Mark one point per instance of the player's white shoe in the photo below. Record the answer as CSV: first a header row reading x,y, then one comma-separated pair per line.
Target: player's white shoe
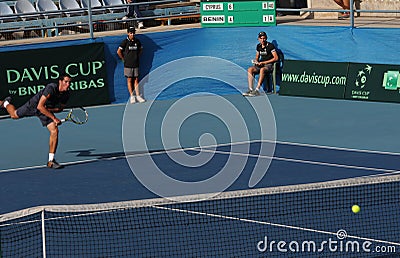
x,y
140,99
133,99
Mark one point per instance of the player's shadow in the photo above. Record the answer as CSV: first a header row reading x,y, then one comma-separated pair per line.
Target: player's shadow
x,y
147,57
118,154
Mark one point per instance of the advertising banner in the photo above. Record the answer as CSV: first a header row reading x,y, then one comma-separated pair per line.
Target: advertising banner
x,y
374,82
24,73
314,79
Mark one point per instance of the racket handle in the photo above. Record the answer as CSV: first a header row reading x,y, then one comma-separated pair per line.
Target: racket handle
x,y
63,120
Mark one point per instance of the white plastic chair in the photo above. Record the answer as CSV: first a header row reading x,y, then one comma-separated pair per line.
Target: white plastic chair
x,y
48,6
109,4
71,7
26,7
95,5
5,9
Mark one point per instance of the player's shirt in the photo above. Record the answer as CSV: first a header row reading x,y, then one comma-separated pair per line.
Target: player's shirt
x,y
55,97
265,52
131,50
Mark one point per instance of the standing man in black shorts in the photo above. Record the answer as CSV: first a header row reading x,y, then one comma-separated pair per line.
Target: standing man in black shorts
x,y
129,51
263,63
52,99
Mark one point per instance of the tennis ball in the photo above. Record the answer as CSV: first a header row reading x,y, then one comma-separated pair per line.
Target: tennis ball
x,y
355,208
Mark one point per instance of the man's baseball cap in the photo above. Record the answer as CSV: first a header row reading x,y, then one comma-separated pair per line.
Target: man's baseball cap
x,y
131,29
262,34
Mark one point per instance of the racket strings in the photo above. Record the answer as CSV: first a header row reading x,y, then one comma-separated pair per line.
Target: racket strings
x,y
78,116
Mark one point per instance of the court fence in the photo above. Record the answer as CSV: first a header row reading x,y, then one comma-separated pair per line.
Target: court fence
x,y
293,221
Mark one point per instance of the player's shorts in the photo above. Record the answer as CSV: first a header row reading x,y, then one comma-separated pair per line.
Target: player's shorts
x,y
267,68
131,72
26,110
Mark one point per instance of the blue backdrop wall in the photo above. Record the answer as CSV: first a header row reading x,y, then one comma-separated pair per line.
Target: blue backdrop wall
x,y
236,45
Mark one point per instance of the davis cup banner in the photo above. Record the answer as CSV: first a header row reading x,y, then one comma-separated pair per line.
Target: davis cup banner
x,y
314,79
24,73
373,82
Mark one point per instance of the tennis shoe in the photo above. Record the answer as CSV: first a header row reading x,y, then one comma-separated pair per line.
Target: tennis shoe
x,y
140,99
247,93
140,25
343,16
254,93
133,99
54,164
4,100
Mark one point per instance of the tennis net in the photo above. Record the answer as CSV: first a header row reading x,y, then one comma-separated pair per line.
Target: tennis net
x,y
310,220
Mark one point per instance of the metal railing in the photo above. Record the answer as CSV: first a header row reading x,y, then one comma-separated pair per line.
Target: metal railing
x,y
41,25
55,23
352,11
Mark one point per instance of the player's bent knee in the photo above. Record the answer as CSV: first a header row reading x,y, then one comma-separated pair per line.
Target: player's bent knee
x,y
53,129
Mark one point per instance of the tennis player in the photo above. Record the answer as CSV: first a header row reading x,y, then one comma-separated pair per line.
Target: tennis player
x,y
52,99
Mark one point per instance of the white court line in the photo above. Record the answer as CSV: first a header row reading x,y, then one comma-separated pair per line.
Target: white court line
x,y
198,148
319,163
203,148
220,216
44,166
335,148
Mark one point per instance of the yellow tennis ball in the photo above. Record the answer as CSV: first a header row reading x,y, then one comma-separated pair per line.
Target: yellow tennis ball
x,y
355,208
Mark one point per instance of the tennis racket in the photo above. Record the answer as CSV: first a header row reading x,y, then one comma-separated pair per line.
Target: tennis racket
x,y
77,115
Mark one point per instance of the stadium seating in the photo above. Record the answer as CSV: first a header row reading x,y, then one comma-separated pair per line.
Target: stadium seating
x,y
53,17
8,13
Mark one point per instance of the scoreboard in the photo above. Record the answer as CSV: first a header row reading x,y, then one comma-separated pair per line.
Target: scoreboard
x,y
238,13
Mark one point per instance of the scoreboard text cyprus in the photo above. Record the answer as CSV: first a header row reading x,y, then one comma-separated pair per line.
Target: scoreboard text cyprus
x,y
238,13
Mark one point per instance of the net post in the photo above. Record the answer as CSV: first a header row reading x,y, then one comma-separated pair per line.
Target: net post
x,y
43,235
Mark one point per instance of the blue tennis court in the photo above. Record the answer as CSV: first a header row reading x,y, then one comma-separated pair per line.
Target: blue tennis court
x,y
301,194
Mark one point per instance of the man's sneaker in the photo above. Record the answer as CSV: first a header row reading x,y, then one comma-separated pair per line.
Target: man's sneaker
x,y
4,100
140,99
140,25
254,93
54,164
343,16
133,99
247,93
